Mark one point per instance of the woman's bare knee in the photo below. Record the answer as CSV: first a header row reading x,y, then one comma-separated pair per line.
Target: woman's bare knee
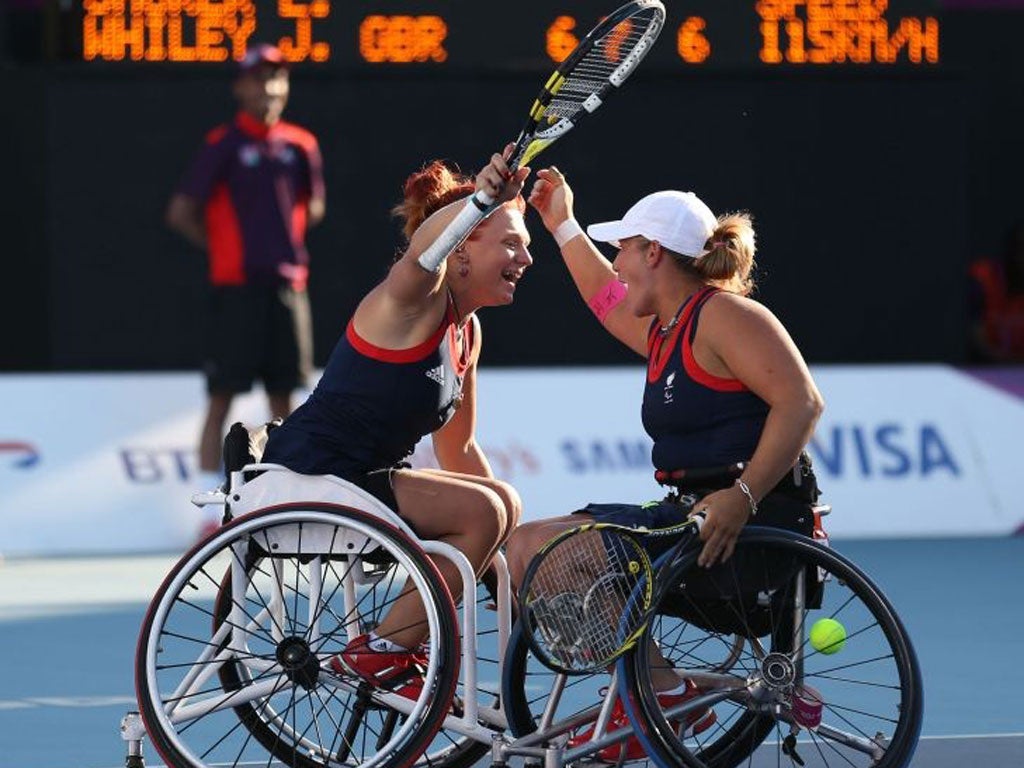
x,y
513,507
486,520
521,537
522,546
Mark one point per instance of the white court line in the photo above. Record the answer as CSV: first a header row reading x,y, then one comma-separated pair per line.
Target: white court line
x,y
937,737
78,702
37,588
976,736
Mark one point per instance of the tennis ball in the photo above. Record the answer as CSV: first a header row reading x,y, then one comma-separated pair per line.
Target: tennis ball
x,y
828,636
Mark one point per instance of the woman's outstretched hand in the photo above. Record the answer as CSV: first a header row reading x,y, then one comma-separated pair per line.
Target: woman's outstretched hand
x,y
495,180
552,197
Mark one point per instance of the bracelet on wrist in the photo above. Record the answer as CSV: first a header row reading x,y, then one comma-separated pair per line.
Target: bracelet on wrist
x,y
566,231
750,496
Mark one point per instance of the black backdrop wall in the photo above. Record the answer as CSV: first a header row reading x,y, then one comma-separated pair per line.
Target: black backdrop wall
x,y
870,193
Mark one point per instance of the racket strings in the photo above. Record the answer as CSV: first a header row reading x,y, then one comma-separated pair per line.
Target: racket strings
x,y
580,595
593,71
618,43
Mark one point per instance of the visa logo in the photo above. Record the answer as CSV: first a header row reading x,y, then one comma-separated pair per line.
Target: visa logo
x,y
885,450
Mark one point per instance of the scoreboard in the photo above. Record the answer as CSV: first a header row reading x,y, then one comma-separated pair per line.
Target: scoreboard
x,y
518,35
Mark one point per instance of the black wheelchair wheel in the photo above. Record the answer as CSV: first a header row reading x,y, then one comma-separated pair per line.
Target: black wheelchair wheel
x,y
231,666
782,701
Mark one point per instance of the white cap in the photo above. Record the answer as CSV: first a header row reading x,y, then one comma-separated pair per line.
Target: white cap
x,y
677,220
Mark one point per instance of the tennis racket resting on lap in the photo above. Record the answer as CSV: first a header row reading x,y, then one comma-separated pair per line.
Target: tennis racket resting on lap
x,y
600,63
587,595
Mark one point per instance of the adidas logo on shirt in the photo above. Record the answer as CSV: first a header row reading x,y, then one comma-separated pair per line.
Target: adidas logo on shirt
x,y
437,374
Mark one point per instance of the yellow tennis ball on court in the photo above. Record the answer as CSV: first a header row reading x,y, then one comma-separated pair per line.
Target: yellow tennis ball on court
x,y
828,636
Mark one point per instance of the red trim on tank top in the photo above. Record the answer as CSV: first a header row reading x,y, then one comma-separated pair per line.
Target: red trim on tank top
x,y
656,343
656,367
460,357
410,355
693,368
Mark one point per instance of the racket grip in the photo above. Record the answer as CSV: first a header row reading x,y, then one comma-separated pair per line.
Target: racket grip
x,y
474,210
698,519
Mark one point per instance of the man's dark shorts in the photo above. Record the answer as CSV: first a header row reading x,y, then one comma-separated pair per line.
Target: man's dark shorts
x,y
258,332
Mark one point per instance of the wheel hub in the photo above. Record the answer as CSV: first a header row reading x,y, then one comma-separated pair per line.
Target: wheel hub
x,y
778,671
300,664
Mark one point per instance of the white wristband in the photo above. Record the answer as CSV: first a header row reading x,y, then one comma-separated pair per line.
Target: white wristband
x,y
471,214
566,231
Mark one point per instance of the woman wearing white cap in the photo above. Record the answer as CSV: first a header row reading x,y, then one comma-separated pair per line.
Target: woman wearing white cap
x,y
729,402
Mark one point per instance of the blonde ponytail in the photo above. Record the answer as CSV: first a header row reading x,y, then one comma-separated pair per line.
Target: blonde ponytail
x,y
729,260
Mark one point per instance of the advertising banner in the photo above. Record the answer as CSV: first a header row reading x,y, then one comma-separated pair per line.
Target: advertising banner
x,y
107,463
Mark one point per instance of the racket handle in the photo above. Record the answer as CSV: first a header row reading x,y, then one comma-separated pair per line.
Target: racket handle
x,y
698,519
474,210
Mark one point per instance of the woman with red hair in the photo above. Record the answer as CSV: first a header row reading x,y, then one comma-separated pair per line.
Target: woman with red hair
x,y
405,368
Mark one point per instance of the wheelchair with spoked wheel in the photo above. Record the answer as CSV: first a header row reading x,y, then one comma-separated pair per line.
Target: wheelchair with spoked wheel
x,y
232,666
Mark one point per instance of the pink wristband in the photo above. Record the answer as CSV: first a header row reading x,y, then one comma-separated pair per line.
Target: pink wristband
x,y
607,298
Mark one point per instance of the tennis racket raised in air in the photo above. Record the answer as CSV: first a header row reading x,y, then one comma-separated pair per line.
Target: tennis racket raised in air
x,y
602,61
587,595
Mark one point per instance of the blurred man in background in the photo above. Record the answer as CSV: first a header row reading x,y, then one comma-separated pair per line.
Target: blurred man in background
x,y
247,199
996,303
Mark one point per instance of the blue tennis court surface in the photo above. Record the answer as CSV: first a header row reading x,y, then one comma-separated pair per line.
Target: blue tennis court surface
x,y
68,629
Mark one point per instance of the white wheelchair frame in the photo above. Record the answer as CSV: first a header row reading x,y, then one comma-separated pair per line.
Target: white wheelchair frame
x,y
275,485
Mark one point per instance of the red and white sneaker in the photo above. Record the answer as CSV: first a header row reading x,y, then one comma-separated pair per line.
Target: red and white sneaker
x,y
694,723
400,673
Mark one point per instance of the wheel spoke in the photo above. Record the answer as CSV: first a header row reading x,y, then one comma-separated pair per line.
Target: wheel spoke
x,y
238,634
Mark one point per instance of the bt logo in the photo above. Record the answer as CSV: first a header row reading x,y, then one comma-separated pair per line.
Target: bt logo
x,y
20,455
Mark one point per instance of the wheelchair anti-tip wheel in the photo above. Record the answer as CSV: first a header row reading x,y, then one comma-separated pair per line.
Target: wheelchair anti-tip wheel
x,y
232,666
850,697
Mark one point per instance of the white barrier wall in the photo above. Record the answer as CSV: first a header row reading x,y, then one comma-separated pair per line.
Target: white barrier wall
x,y
106,463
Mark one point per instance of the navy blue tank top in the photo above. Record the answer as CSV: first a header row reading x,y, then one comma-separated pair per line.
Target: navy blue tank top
x,y
372,405
697,420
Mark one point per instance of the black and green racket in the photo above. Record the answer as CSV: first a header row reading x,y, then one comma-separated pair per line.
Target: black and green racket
x,y
587,595
597,66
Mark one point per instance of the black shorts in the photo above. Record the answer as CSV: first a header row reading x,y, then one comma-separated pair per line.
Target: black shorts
x,y
777,510
723,598
295,445
259,332
378,483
